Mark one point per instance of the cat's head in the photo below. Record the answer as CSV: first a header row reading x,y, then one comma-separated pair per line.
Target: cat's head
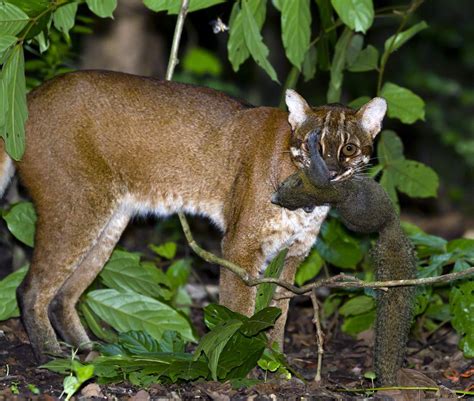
x,y
346,135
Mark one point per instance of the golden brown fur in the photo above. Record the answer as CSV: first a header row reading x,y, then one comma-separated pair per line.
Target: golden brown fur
x,y
103,146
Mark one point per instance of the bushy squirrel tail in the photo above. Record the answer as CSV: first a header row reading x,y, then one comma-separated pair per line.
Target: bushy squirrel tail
x,y
7,168
395,259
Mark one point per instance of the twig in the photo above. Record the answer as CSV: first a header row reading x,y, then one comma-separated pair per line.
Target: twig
x,y
383,62
319,335
338,281
173,61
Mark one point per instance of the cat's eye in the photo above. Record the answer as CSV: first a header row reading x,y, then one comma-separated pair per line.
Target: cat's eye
x,y
349,150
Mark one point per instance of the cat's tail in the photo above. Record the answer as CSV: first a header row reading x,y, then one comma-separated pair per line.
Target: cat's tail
x,y
7,168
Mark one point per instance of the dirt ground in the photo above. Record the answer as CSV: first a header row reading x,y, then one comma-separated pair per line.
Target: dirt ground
x,y
345,361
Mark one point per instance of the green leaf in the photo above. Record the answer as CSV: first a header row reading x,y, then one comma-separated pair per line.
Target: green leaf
x,y
62,366
337,247
215,314
354,48
178,273
356,14
236,47
173,6
64,17
240,355
354,325
388,183
357,305
389,148
137,312
265,291
403,103
124,273
8,286
213,343
464,246
12,19
254,41
261,320
461,301
337,66
166,250
138,342
310,268
296,30
102,8
367,60
200,61
6,41
310,64
13,75
21,222
359,102
394,42
414,178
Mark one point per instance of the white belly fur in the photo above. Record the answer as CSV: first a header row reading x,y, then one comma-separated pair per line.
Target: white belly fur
x,y
296,230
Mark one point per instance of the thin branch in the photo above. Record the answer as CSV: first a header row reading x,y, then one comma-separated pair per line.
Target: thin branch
x,y
173,61
319,335
338,281
383,62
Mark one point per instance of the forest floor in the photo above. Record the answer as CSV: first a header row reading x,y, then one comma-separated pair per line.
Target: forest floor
x,y
436,362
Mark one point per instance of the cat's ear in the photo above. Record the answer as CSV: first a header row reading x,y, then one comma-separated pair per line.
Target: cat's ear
x,y
371,115
298,108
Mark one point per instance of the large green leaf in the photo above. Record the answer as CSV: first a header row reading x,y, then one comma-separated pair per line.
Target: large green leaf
x,y
213,343
21,221
178,272
6,41
310,268
389,148
102,8
132,311
124,272
414,178
265,291
64,17
366,60
461,301
236,47
356,14
296,30
12,19
215,314
394,42
310,64
13,75
8,286
337,67
254,41
260,321
403,103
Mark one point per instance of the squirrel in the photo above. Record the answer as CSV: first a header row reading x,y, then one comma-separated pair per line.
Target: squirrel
x,y
364,207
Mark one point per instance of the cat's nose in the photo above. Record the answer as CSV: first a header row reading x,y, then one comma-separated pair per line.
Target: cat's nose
x,y
332,174
274,199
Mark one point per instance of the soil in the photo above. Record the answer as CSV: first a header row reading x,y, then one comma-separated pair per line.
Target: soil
x,y
436,362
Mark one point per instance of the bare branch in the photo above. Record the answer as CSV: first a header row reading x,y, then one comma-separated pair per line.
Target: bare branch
x,y
338,281
178,30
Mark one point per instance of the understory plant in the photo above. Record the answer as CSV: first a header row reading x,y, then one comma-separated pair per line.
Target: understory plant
x,y
140,310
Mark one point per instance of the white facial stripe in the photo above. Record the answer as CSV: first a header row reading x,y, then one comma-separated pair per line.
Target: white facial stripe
x,y
345,174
